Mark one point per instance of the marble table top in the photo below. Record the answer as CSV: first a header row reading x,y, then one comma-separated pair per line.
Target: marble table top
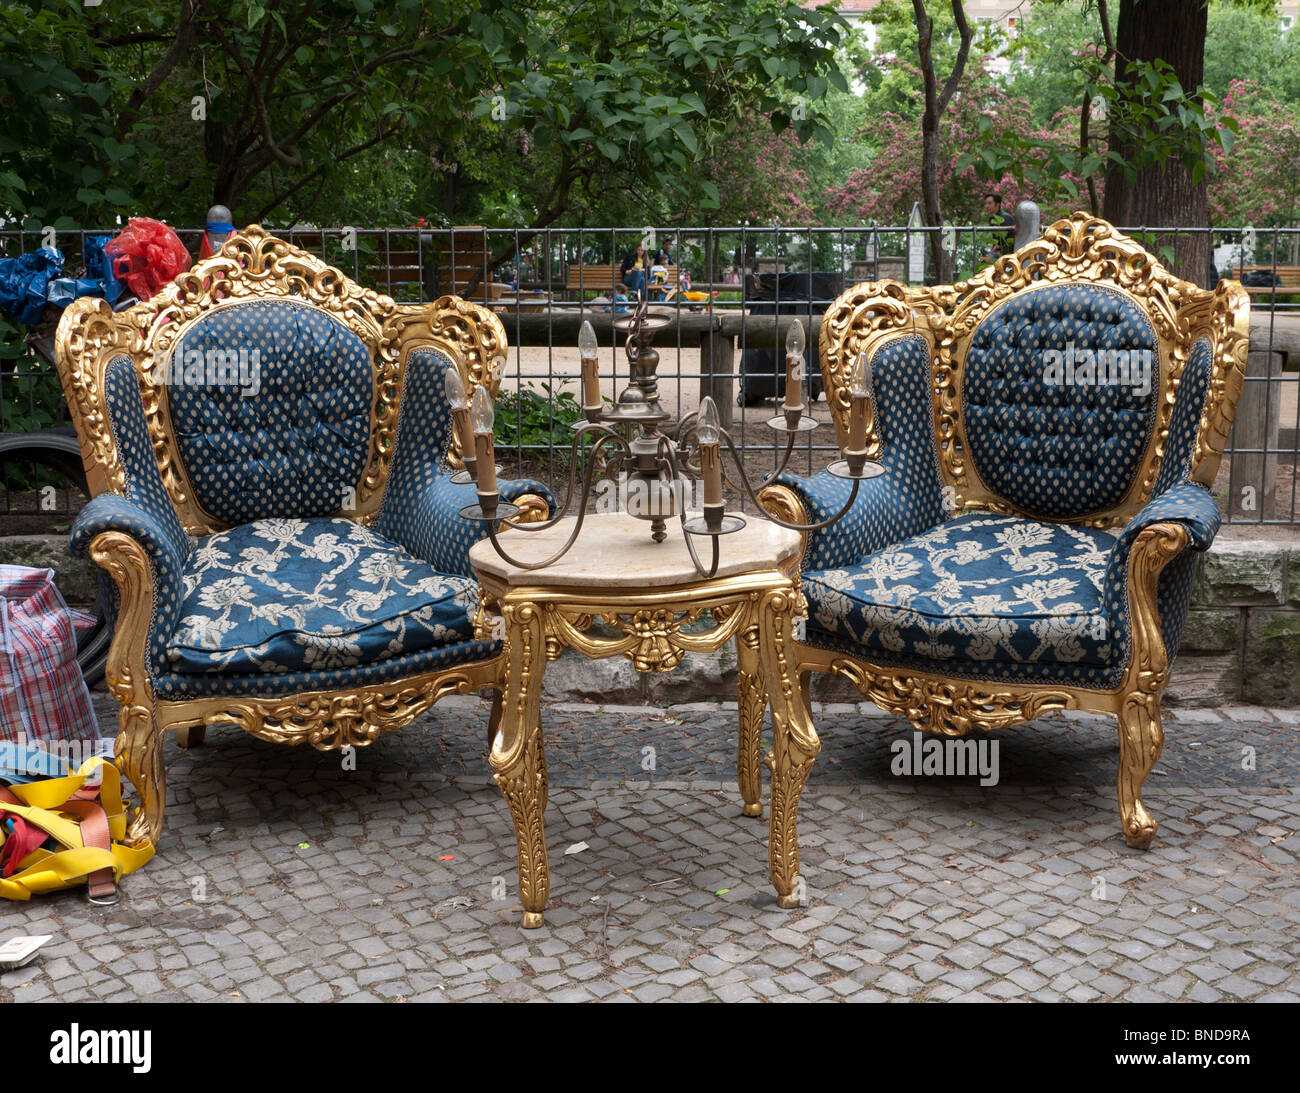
x,y
616,551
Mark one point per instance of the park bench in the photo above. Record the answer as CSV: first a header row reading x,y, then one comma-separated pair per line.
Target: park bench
x,y
1289,276
604,279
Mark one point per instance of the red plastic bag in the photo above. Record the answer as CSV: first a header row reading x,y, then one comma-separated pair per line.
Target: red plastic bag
x,y
147,255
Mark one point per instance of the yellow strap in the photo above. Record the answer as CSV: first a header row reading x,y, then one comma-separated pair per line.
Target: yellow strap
x,y
66,832
44,870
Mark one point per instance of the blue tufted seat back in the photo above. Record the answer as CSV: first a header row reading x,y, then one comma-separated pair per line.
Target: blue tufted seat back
x,y
1060,385
270,404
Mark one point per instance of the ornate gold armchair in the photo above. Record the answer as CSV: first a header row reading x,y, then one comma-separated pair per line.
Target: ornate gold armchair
x,y
269,448
1049,430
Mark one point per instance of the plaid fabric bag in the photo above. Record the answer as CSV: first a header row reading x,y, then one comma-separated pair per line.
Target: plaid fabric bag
x,y
42,693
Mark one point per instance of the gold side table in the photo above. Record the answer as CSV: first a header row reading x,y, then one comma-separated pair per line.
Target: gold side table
x,y
647,593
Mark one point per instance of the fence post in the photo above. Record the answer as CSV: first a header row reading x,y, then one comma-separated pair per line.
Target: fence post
x,y
1253,480
717,368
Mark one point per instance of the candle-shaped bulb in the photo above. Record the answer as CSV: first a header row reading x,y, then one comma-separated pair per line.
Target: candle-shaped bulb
x,y
588,346
860,377
482,415
708,426
456,390
794,340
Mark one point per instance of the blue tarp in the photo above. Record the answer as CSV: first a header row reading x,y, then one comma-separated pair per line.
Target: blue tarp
x,y
30,281
25,281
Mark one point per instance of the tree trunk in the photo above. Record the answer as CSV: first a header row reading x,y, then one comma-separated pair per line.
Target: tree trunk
x,y
936,102
1163,196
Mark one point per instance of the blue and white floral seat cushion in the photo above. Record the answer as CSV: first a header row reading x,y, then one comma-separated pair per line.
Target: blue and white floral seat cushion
x,y
982,587
311,595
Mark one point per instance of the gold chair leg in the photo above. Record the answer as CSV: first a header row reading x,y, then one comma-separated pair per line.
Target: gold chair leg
x,y
794,743
1141,739
517,757
752,692
191,736
494,719
138,748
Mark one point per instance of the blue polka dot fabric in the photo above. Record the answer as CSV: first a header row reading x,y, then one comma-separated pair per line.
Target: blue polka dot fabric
x,y
1059,392
907,498
270,401
146,512
421,506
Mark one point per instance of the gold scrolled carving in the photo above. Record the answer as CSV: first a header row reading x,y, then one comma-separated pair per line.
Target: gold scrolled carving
x,y
1080,249
1223,317
1141,732
949,707
751,691
138,748
255,265
652,637
533,509
795,745
864,319
329,720
517,757
524,786
470,334
87,338
783,503
788,778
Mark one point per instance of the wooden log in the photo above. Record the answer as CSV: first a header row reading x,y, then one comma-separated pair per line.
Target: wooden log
x,y
768,331
561,327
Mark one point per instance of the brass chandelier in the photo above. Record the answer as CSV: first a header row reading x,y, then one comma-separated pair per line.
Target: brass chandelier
x,y
632,439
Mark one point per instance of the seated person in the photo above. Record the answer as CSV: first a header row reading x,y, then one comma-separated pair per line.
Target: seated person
x,y
658,282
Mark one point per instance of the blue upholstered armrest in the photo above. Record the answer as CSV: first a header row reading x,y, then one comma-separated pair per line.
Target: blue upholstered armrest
x,y
109,512
1187,503
907,499
427,520
1192,506
887,509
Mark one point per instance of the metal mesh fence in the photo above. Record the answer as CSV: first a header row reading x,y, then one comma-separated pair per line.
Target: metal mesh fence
x,y
722,287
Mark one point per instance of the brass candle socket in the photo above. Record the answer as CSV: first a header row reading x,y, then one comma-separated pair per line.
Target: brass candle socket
x,y
489,501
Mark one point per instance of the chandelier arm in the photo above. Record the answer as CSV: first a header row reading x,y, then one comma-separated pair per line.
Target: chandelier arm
x,y
853,494
705,573
586,427
789,449
681,514
577,527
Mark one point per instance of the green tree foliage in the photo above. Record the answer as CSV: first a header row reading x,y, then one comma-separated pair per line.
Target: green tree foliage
x,y
340,110
1244,42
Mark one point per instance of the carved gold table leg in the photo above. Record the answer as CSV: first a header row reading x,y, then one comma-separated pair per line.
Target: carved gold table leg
x,y
752,691
517,758
794,741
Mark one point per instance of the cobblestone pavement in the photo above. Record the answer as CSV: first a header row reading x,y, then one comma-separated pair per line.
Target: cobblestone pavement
x,y
284,876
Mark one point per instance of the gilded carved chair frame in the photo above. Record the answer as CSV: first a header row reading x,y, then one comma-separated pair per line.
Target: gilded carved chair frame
x,y
250,266
1082,249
